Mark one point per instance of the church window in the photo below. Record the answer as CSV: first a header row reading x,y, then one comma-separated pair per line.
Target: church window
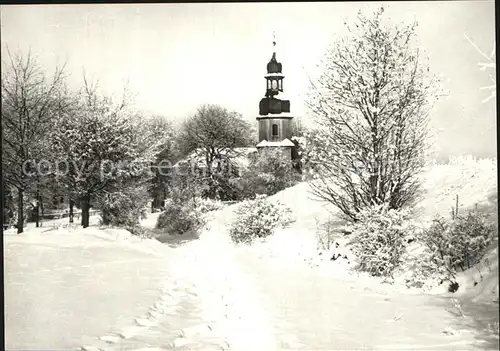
x,y
275,84
275,132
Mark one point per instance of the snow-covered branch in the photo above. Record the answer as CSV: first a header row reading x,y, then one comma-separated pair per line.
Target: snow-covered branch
x,y
488,65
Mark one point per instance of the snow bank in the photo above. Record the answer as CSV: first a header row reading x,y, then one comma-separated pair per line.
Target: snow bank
x,y
474,181
480,283
74,235
150,221
307,210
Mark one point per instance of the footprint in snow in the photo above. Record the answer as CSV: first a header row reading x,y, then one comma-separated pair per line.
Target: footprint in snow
x,y
112,339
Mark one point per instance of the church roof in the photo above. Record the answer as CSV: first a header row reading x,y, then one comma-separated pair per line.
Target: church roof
x,y
276,115
269,75
283,143
281,96
273,66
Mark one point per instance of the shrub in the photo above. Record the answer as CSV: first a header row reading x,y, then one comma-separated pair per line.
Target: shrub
x,y
185,183
325,234
268,174
180,218
208,205
419,268
124,208
379,238
141,231
443,248
257,219
459,243
331,240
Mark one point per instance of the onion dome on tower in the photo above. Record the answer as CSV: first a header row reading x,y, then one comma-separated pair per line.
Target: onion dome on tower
x,y
274,85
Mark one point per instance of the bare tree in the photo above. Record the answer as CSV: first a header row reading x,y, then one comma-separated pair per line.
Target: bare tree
x,y
371,105
30,102
214,133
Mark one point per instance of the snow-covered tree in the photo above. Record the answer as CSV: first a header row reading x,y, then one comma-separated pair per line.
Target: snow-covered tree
x,y
100,144
30,102
162,130
213,133
371,106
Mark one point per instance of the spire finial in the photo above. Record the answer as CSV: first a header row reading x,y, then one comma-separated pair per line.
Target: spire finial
x,y
274,38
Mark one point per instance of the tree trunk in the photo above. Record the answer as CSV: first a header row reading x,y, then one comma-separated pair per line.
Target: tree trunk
x,y
37,207
37,214
41,210
71,205
85,205
20,212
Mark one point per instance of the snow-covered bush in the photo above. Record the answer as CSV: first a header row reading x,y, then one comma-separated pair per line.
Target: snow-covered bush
x,y
185,184
459,243
180,218
379,239
446,246
326,234
123,208
301,149
208,205
257,219
331,240
419,267
270,172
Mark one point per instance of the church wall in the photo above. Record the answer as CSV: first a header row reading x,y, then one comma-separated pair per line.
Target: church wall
x,y
265,128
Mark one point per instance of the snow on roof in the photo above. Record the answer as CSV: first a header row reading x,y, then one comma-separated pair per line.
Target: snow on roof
x,y
281,96
283,143
277,115
268,75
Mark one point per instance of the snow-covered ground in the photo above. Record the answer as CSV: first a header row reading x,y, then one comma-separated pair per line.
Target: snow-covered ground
x,y
105,289
101,288
63,288
475,182
324,305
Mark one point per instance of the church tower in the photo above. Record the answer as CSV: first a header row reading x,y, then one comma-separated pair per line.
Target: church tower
x,y
274,120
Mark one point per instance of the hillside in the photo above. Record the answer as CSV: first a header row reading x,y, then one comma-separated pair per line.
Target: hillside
x,y
474,181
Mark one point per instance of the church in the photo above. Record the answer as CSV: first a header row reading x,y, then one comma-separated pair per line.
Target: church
x,y
275,123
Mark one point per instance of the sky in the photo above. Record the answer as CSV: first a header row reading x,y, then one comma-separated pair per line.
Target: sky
x,y
175,57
